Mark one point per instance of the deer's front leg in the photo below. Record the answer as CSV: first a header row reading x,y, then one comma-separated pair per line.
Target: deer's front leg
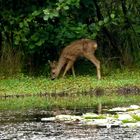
x,y
73,71
96,62
68,66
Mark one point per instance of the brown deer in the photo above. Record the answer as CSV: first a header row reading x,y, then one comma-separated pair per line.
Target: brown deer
x,y
82,47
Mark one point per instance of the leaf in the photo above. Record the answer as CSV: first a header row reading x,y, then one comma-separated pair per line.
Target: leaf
x,y
32,46
56,14
46,17
136,28
46,11
61,1
34,37
101,23
21,25
66,7
106,20
40,42
24,39
94,35
115,23
112,16
25,23
97,28
16,42
35,13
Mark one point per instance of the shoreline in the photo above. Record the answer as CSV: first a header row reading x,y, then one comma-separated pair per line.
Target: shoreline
x,y
125,90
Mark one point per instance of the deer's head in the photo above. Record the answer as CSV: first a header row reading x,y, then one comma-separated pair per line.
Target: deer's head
x,y
53,66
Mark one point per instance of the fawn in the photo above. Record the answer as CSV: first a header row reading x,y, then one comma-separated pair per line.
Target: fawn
x,y
80,48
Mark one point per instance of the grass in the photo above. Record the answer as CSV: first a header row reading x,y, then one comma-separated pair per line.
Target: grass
x,y
75,87
36,85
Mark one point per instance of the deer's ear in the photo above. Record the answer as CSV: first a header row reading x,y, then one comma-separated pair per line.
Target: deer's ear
x,y
50,62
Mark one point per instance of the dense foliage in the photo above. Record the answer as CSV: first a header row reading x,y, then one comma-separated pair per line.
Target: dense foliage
x,y
32,32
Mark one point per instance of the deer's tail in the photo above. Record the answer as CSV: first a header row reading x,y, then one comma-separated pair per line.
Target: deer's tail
x,y
89,44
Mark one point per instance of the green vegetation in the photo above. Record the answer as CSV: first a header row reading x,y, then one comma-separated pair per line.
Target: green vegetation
x,y
136,117
82,92
129,121
33,32
95,117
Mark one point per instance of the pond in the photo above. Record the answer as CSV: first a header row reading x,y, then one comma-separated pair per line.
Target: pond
x,y
27,125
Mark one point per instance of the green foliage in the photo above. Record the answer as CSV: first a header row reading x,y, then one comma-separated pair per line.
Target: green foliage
x,y
40,28
79,91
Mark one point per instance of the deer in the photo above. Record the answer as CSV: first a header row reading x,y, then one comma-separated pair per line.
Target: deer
x,y
79,48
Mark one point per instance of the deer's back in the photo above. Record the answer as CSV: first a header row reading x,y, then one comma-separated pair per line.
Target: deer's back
x,y
78,48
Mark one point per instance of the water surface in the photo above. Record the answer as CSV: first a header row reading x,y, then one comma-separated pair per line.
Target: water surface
x,y
16,125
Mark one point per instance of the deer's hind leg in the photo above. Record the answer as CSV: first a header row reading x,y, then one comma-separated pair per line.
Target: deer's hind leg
x,y
68,66
96,62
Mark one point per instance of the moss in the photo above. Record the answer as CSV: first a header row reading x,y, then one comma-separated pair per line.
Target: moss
x,y
136,117
98,117
129,121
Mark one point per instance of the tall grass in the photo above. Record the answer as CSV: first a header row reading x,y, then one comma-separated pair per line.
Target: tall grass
x,y
10,60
